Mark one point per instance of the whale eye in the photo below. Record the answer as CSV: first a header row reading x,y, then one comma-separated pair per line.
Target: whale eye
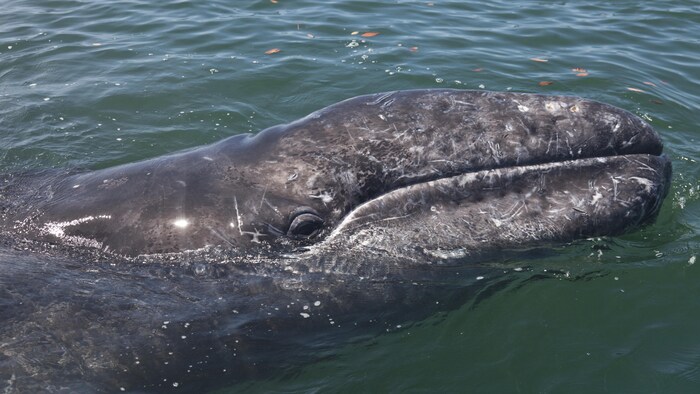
x,y
305,223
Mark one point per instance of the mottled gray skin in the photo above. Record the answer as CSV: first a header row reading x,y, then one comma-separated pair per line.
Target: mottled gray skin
x,y
396,191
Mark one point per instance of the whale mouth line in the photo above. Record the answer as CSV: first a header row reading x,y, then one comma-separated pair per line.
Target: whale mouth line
x,y
465,177
410,180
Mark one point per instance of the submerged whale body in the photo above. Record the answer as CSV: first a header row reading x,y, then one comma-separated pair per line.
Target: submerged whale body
x,y
207,266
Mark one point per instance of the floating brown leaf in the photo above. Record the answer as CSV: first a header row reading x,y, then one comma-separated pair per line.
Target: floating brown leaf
x,y
370,34
636,90
582,74
539,60
271,51
545,83
413,49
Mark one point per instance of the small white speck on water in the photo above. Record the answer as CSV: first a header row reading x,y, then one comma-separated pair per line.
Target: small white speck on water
x,y
119,139
184,337
47,98
76,186
691,260
616,278
317,303
305,315
439,80
306,307
479,277
175,384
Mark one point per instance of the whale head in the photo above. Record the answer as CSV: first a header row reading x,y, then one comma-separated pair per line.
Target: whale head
x,y
424,175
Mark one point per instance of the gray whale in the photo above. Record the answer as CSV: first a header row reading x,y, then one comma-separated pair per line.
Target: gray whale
x,y
207,266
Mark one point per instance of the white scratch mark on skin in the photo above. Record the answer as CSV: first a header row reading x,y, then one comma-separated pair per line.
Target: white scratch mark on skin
x,y
472,105
514,211
238,215
256,235
495,151
354,143
647,183
274,208
263,196
644,166
571,151
325,197
549,144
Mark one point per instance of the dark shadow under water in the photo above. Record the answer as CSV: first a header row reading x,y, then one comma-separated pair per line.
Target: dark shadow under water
x,y
72,325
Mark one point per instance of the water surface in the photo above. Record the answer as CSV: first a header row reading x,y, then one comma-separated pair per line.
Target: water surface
x,y
91,84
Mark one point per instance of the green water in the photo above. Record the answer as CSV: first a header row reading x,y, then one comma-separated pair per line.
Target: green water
x,y
92,84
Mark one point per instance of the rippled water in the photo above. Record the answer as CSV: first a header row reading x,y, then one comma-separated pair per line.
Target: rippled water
x,y
92,84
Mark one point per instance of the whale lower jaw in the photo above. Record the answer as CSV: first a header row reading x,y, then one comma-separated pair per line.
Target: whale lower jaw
x,y
513,207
